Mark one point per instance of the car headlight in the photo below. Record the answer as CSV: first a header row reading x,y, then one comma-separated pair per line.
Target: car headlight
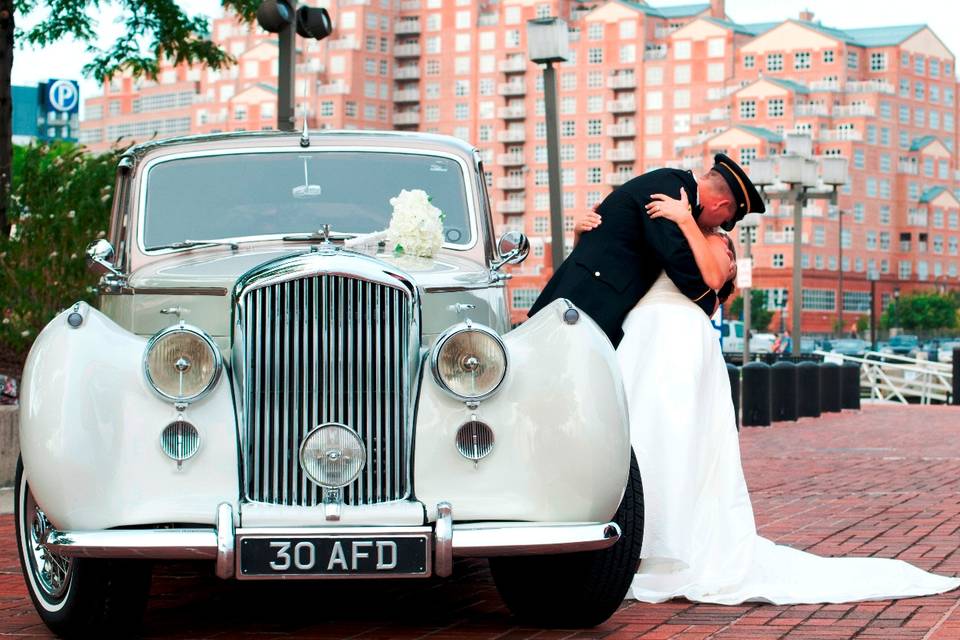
x,y
469,361
182,363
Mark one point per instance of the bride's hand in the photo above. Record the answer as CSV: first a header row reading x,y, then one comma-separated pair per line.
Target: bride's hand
x,y
663,206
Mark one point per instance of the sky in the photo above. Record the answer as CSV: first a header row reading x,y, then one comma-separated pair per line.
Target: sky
x,y
66,59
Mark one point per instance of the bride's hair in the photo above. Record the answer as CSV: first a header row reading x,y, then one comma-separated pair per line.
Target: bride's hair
x,y
727,289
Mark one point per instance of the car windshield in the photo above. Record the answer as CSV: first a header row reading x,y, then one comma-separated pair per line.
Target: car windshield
x,y
259,194
903,340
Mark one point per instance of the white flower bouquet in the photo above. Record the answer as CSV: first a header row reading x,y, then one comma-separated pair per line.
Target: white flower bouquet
x,y
416,226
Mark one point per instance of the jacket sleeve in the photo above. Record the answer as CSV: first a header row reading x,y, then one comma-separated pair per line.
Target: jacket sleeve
x,y
667,241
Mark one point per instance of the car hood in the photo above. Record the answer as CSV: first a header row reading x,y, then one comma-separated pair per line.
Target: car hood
x,y
220,269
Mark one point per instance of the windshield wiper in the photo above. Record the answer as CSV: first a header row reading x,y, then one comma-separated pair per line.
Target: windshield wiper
x,y
190,244
318,236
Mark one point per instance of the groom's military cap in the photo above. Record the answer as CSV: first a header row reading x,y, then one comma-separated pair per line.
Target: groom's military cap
x,y
745,196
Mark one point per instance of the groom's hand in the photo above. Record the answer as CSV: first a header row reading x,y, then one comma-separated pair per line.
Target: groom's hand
x,y
589,221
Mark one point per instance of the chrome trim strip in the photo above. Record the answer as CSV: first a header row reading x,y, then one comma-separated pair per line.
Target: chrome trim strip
x,y
466,168
225,541
166,291
144,544
443,541
498,539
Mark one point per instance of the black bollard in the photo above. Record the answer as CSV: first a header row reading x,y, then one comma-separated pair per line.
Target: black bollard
x,y
829,387
756,394
850,385
733,371
808,389
956,376
783,383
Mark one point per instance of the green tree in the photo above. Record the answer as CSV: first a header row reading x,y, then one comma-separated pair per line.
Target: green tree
x,y
760,316
154,30
922,312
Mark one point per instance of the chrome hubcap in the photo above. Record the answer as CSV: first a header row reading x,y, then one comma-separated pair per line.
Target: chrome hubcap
x,y
51,572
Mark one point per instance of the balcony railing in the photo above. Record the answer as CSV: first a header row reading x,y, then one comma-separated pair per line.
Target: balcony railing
x,y
869,86
909,168
824,85
511,206
512,135
853,110
407,73
719,114
811,110
917,219
510,160
410,5
662,32
655,53
407,50
518,112
625,154
622,81
513,65
512,89
333,89
627,105
511,183
617,179
838,135
622,130
406,27
488,20
348,42
406,118
407,95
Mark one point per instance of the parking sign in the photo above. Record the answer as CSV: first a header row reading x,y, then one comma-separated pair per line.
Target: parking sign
x,y
62,96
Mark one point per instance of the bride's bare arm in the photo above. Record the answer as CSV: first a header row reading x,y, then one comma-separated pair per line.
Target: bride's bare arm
x,y
663,206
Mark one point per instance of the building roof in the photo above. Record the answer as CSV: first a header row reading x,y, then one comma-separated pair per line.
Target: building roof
x,y
675,11
266,87
931,194
920,143
754,29
766,134
872,37
796,87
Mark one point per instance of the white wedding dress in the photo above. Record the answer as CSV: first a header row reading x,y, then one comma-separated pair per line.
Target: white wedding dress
x,y
700,541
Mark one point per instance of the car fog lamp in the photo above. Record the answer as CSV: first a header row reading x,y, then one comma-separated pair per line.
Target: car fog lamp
x,y
475,440
180,440
470,362
182,363
332,455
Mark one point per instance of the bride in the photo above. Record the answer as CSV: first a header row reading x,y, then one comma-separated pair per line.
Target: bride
x,y
700,541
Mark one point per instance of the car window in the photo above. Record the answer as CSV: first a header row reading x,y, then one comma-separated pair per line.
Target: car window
x,y
257,194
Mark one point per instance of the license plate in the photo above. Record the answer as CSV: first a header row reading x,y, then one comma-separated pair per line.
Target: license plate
x,y
321,557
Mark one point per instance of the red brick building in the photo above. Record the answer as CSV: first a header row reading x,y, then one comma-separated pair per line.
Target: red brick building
x,y
645,87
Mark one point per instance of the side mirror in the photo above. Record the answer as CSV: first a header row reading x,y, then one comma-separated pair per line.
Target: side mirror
x,y
513,247
100,258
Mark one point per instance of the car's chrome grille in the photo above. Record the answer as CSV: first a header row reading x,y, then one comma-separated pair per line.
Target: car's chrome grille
x,y
325,348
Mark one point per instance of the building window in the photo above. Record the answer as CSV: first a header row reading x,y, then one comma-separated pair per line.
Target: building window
x,y
748,109
918,90
681,74
594,151
801,60
878,61
326,108
918,64
749,62
828,56
595,56
774,62
856,300
594,127
594,175
778,260
934,68
871,240
853,60
522,299
747,154
905,269
775,108
819,300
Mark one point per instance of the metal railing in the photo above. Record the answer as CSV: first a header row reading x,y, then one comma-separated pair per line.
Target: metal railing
x,y
898,378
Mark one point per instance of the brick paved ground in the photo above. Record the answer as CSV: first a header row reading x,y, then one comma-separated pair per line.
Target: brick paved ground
x,y
882,482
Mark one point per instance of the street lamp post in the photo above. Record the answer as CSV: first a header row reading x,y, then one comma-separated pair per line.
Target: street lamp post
x,y
799,171
840,270
873,276
747,226
548,41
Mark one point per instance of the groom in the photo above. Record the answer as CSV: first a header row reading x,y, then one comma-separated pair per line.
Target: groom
x,y
614,264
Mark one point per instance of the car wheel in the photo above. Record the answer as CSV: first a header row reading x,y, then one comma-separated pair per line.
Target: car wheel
x,y
76,597
576,589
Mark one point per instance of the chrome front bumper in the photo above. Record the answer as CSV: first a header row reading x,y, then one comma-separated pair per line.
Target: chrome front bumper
x,y
449,540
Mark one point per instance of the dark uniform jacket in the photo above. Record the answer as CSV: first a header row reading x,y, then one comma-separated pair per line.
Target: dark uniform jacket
x,y
614,265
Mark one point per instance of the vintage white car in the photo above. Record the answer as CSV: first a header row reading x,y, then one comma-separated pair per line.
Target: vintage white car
x,y
262,389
